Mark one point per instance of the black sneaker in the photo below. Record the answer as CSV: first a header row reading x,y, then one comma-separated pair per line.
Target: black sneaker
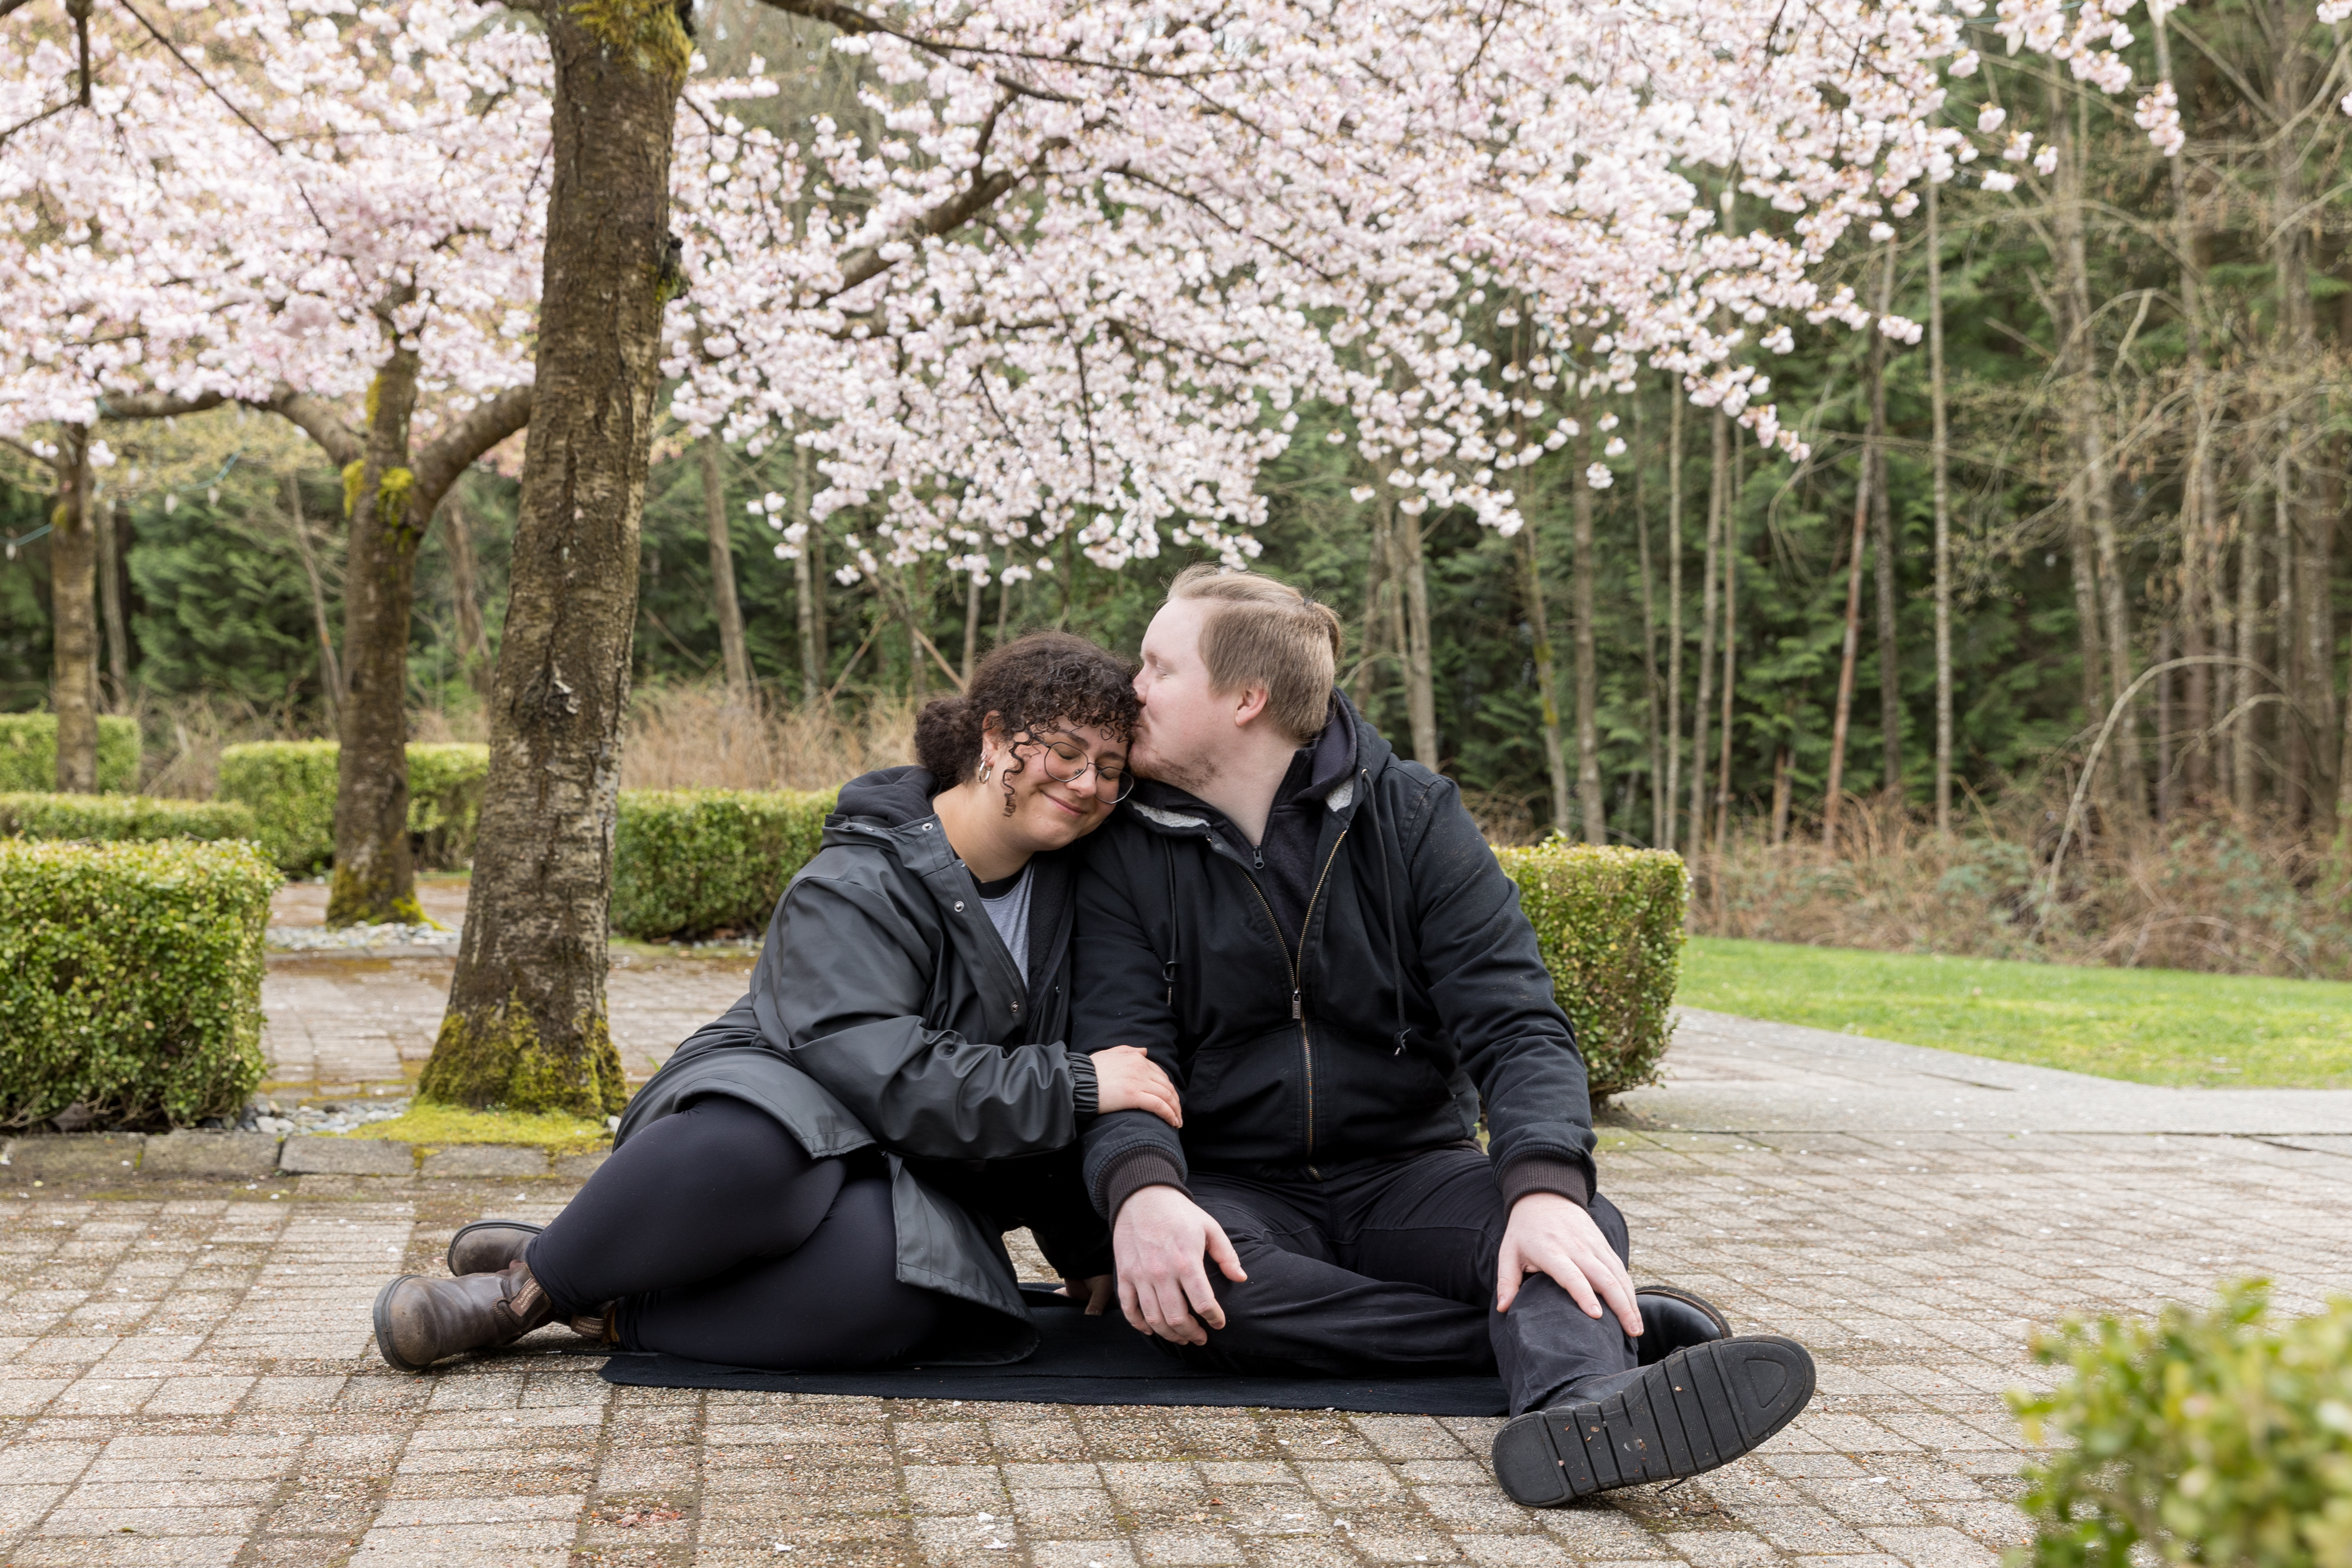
x,y
1699,1408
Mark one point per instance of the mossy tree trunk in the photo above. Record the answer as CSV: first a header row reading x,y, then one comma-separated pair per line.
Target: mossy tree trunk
x,y
376,879
389,494
526,1026
73,611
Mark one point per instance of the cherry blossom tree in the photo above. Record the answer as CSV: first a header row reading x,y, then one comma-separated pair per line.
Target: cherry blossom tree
x,y
350,215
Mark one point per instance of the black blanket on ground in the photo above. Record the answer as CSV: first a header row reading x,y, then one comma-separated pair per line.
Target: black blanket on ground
x,y
1086,1360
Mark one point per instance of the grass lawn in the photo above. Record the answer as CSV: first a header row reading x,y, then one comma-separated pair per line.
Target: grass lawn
x,y
2150,1026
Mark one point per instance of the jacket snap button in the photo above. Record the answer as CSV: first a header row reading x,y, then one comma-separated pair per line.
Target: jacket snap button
x,y
958,905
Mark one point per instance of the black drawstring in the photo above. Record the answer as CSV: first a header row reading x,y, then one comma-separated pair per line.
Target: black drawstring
x,y
1388,902
1168,970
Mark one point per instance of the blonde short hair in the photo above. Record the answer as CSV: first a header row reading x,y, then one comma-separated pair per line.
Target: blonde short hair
x,y
1264,633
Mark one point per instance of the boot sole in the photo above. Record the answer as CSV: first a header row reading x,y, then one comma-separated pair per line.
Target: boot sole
x,y
449,1258
1697,1409
383,1326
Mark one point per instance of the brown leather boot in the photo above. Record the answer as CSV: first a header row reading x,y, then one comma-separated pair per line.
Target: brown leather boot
x,y
598,1328
487,1245
418,1320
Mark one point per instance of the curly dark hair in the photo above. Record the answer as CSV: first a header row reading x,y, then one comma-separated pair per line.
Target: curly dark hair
x,y
1031,683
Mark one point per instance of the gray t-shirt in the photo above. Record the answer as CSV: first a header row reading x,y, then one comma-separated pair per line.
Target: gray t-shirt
x,y
1009,913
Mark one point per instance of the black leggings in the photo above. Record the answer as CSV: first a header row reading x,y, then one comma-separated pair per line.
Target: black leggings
x,y
724,1241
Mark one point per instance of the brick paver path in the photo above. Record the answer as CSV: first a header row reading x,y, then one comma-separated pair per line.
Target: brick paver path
x,y
339,1025
185,1376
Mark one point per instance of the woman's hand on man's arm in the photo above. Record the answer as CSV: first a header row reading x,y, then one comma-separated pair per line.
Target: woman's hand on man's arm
x,y
1127,1079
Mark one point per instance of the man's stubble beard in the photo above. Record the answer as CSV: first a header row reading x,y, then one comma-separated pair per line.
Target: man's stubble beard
x,y
1191,777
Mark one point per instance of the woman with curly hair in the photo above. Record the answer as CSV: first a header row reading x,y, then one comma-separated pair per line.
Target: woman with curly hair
x,y
821,1177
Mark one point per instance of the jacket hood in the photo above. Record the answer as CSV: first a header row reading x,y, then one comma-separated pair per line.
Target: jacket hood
x,y
891,797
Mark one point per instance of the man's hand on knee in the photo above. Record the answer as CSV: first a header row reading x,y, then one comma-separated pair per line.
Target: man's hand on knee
x,y
1549,1235
1160,1240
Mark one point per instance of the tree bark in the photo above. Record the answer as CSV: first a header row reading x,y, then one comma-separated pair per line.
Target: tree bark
x,y
1421,690
2306,629
112,526
1730,671
1714,504
73,616
2244,735
330,673
1881,517
1660,803
1547,677
2093,481
1871,473
1673,605
374,878
1942,447
1591,807
808,585
971,625
2200,515
526,1025
729,608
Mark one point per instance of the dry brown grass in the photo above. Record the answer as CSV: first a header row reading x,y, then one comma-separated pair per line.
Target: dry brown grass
x,y
2212,892
184,737
689,736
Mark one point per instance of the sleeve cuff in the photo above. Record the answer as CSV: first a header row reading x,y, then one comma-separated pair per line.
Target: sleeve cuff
x,y
1086,1086
1541,1173
1132,1172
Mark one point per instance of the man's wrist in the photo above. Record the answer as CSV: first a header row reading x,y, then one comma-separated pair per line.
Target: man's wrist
x,y
1131,1173
1534,1173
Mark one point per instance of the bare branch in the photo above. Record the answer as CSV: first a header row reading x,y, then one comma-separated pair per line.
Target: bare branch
x,y
456,448
156,406
867,263
317,418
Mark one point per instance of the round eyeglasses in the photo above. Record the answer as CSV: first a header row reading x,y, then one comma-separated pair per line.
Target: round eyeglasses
x,y
1066,763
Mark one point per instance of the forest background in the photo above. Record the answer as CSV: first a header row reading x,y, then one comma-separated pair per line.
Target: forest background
x,y
2143,461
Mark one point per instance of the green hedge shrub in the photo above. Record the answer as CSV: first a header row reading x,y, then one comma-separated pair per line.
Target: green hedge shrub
x,y
444,801
122,816
2215,1436
291,785
131,979
1611,923
28,753
689,862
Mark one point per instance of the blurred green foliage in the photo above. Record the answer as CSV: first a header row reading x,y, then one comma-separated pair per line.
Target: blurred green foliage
x,y
2219,1436
28,752
122,816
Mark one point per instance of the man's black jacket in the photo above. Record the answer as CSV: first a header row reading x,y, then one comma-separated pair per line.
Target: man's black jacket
x,y
1297,1059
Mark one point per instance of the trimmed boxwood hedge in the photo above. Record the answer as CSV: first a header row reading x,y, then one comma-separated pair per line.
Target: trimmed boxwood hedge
x,y
691,862
131,979
28,753
1610,924
122,816
290,787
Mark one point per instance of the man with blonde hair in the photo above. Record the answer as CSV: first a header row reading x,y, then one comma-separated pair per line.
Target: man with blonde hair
x,y
1309,934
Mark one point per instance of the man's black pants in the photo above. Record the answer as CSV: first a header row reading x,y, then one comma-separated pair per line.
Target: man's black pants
x,y
1392,1268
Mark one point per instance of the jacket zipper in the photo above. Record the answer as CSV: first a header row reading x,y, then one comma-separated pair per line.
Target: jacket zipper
x,y
1295,966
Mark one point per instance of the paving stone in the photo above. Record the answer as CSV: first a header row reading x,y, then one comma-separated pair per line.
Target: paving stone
x,y
347,1157
74,1156
198,1369
486,1159
190,1154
